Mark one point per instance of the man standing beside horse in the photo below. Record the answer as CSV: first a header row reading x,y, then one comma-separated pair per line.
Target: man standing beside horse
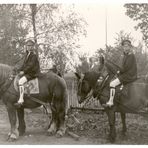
x,y
29,70
127,73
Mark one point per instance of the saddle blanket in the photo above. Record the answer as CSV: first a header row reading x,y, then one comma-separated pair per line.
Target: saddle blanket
x,y
31,87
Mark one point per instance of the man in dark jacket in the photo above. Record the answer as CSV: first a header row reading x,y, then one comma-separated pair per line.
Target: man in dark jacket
x,y
29,70
128,72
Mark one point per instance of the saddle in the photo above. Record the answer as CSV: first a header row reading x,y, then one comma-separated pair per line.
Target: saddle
x,y
121,90
30,87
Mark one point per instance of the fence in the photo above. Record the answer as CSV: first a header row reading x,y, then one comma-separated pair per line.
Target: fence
x,y
92,104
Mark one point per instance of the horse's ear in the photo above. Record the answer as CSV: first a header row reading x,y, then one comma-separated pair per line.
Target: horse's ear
x,y
77,75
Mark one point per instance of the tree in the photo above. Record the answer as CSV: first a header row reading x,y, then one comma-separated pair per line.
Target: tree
x,y
139,13
12,33
33,8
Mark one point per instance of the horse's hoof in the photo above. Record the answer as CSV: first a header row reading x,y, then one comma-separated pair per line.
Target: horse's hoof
x,y
12,138
50,133
59,134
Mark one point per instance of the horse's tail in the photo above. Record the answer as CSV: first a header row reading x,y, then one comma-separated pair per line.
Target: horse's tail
x,y
61,84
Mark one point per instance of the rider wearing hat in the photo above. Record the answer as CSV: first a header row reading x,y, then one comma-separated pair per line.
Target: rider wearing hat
x,y
128,72
29,70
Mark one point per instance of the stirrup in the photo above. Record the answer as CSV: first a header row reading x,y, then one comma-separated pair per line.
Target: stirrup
x,y
109,105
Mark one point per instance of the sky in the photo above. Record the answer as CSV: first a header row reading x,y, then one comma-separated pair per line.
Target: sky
x,y
95,15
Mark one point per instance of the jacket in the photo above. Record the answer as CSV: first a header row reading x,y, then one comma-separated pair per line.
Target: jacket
x,y
31,66
128,71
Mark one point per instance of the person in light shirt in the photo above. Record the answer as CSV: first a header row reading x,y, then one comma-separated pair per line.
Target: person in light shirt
x,y
29,70
127,73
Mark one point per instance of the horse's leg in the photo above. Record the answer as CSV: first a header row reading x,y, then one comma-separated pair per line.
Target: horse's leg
x,y
53,125
123,118
22,126
13,135
62,110
61,124
111,118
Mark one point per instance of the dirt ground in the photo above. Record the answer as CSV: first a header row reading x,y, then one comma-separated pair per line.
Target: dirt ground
x,y
92,129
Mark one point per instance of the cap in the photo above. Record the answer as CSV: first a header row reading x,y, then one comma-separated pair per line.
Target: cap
x,y
126,41
29,43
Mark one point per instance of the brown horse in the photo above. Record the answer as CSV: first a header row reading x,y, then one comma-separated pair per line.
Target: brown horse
x,y
52,89
131,99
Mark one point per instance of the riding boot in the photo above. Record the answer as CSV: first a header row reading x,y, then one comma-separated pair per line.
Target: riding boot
x,y
21,100
21,89
112,94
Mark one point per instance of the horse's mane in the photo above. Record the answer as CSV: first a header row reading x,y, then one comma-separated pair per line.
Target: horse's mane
x,y
4,71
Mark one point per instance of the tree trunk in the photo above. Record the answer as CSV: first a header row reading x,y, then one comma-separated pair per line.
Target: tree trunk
x,y
33,14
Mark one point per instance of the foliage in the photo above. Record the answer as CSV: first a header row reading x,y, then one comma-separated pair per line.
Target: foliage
x,y
122,36
142,60
84,64
12,33
139,13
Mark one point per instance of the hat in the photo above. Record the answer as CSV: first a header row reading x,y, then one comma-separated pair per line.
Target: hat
x,y
126,41
29,43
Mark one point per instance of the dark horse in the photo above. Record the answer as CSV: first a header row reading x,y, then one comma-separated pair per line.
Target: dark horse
x,y
52,89
131,99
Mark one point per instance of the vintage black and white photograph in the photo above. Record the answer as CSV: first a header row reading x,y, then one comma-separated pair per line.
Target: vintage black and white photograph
x,y
74,73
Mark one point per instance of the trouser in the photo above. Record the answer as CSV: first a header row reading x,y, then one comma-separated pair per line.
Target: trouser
x,y
21,83
113,85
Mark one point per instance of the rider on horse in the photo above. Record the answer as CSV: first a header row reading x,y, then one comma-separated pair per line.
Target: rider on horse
x,y
126,74
29,70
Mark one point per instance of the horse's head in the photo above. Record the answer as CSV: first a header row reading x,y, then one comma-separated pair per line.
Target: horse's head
x,y
83,87
86,83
